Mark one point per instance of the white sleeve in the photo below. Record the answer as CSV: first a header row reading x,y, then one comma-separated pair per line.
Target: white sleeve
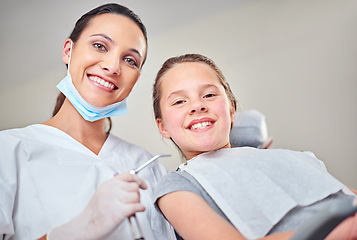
x,y
9,149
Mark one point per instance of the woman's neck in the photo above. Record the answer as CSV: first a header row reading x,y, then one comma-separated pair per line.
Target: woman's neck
x,y
90,134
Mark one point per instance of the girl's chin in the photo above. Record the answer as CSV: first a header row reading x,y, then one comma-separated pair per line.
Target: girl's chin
x,y
207,148
213,147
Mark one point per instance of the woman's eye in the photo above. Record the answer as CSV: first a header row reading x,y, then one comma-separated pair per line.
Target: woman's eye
x,y
99,46
131,61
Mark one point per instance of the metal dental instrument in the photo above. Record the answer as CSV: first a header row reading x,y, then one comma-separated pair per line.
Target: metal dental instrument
x,y
135,171
135,228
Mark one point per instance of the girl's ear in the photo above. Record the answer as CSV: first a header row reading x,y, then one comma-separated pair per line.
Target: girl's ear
x,y
66,51
233,114
162,128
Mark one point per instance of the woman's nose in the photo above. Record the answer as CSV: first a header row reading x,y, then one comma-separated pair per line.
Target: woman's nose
x,y
111,65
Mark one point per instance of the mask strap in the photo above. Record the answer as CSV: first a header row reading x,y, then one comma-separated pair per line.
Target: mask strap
x,y
70,55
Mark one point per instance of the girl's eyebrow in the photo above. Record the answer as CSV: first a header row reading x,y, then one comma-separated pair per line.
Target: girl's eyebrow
x,y
112,42
180,91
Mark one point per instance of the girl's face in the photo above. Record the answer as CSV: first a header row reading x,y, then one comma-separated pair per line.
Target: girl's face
x,y
196,112
106,59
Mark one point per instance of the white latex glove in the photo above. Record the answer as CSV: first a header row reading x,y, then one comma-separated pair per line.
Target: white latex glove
x,y
114,201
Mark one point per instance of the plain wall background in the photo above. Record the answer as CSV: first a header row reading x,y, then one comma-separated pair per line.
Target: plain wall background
x,y
295,61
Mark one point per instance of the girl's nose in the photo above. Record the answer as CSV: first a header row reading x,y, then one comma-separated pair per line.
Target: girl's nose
x,y
198,107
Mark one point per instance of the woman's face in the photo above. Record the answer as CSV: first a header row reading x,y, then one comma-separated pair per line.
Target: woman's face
x,y
106,59
196,112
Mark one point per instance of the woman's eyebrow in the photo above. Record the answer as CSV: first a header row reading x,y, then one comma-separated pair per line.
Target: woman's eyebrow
x,y
103,36
112,41
135,51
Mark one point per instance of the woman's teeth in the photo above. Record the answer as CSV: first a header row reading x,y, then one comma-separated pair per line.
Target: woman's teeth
x,y
200,125
102,82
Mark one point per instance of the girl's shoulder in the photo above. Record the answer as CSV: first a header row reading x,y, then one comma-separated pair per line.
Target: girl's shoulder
x,y
175,181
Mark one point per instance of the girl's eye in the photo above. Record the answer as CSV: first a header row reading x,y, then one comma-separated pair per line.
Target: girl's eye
x,y
178,102
99,46
131,61
209,95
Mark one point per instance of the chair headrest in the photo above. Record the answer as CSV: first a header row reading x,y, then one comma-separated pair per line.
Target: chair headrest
x,y
249,130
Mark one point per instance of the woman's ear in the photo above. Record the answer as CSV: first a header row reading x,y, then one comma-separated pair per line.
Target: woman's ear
x,y
66,51
162,128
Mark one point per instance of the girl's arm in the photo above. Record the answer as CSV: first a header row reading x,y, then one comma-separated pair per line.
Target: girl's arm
x,y
353,190
193,218
346,230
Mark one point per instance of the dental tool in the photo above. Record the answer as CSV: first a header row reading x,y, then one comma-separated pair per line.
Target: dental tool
x,y
135,228
135,171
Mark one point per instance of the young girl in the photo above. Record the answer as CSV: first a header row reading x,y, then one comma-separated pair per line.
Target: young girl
x,y
231,193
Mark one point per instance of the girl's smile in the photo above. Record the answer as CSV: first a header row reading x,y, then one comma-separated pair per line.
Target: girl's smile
x,y
201,124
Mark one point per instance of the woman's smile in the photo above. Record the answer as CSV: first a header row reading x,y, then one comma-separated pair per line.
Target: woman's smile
x,y
104,84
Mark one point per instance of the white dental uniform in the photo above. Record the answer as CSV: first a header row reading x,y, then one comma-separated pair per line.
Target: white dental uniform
x,y
47,178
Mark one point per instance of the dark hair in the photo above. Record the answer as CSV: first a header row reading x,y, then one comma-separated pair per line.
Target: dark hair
x,y
112,8
83,22
172,62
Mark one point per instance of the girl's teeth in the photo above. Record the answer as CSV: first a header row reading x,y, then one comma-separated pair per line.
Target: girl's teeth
x,y
200,125
102,82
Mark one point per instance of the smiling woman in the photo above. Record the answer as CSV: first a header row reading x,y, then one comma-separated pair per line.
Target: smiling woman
x,y
105,54
60,177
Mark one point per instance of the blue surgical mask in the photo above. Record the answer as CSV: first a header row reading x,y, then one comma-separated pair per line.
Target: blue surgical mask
x,y
87,111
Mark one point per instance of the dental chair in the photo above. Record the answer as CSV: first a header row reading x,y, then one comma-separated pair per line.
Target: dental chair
x,y
321,224
250,130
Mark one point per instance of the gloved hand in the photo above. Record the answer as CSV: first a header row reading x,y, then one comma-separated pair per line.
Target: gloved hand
x,y
114,200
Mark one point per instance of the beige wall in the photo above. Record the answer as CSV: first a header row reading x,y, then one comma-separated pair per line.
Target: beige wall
x,y
293,60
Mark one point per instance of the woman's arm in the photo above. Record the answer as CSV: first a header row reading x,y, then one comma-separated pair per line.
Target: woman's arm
x,y
193,218
114,200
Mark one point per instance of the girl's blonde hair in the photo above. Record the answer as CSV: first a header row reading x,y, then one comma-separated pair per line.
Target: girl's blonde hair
x,y
172,62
